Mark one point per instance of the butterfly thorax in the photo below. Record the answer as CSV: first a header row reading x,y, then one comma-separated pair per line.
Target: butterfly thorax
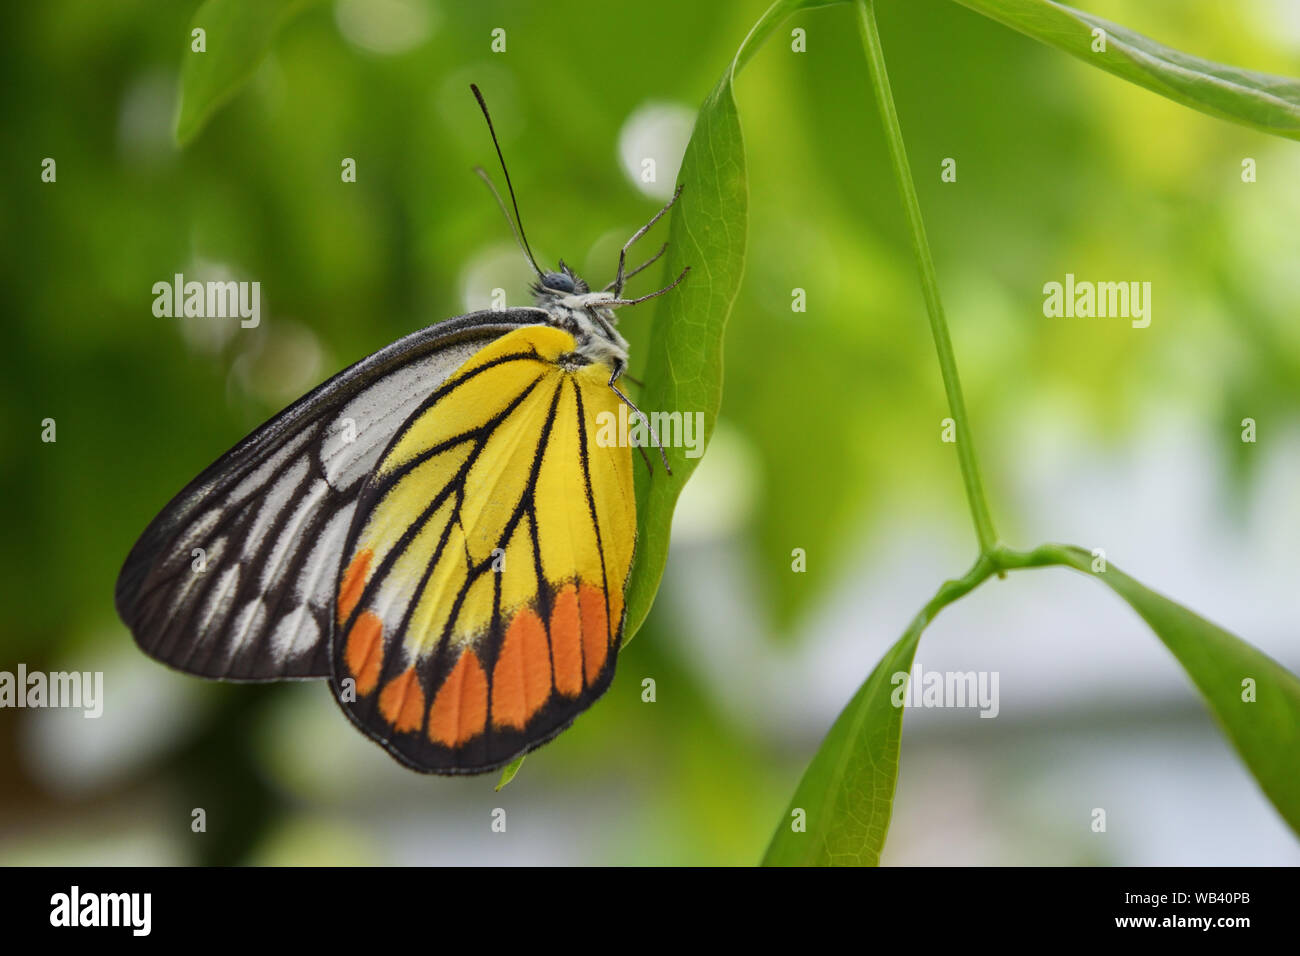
x,y
587,316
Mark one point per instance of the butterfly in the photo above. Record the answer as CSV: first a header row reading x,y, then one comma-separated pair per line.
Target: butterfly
x,y
435,530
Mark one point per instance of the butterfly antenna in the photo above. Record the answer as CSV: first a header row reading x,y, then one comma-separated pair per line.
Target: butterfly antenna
x,y
523,239
482,174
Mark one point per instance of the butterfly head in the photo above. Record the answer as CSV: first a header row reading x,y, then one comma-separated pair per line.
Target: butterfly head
x,y
564,282
571,305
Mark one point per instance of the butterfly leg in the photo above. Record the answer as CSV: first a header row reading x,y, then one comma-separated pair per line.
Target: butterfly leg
x,y
654,436
621,277
641,268
667,288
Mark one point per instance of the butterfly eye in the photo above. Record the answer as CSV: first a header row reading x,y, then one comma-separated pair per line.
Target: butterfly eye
x,y
558,282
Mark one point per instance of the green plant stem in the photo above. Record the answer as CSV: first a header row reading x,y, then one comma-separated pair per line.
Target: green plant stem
x,y
998,560
1045,555
929,280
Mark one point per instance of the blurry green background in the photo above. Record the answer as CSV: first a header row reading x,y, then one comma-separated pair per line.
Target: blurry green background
x,y
1090,431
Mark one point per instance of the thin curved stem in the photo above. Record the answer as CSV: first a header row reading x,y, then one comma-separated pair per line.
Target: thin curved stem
x,y
998,560
929,280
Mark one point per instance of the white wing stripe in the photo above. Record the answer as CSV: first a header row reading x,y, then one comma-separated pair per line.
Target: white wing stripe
x,y
287,542
260,475
273,504
221,596
251,620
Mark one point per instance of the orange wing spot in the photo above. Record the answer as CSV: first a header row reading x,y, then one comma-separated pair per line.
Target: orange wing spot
x,y
402,702
459,712
595,629
521,680
365,651
354,581
566,642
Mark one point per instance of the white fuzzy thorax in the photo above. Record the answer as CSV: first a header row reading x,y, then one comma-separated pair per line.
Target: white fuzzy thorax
x,y
591,320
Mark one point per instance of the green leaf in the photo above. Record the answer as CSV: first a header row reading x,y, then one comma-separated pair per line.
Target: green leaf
x,y
847,792
1261,100
1265,731
509,772
684,367
238,36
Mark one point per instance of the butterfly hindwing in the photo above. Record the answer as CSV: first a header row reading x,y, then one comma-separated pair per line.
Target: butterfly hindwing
x,y
480,598
236,577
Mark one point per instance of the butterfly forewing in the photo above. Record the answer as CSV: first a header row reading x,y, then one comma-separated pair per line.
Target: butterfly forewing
x,y
236,578
480,599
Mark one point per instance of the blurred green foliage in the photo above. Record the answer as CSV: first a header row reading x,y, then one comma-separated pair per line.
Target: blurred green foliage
x,y
1061,168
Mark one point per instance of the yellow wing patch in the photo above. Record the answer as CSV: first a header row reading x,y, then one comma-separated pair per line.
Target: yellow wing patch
x,y
480,605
